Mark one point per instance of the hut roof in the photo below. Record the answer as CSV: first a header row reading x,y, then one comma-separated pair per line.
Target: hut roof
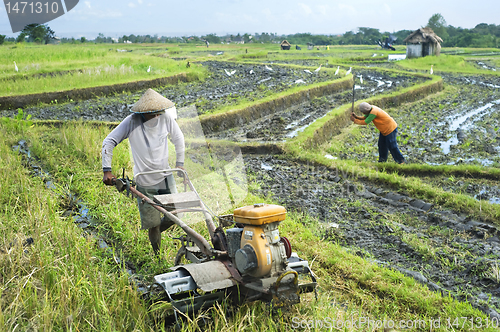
x,y
285,43
423,35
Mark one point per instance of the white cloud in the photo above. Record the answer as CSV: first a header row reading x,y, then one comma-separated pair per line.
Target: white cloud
x,y
387,9
346,9
139,1
131,5
323,9
305,9
87,3
267,12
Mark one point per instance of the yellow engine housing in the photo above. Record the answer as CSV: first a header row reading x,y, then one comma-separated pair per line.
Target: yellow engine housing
x,y
255,237
259,214
261,253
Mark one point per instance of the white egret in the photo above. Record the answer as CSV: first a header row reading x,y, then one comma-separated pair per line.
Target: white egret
x,y
269,68
317,69
361,79
15,67
432,71
229,73
308,71
300,81
349,71
337,71
149,69
251,71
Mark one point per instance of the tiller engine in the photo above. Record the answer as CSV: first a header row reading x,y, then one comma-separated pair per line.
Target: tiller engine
x,y
246,262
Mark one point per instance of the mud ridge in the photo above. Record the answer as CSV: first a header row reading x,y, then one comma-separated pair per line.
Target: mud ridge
x,y
231,119
333,126
450,253
22,101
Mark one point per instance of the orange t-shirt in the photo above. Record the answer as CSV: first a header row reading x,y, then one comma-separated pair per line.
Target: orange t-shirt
x,y
383,121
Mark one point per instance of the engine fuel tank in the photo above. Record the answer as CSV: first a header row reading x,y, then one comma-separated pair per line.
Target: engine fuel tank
x,y
259,214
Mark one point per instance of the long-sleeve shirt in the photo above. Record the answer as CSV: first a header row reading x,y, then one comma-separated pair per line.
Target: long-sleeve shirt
x,y
382,121
149,145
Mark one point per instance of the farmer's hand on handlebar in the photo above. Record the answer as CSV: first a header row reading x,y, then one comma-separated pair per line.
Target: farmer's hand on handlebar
x,y
108,178
180,174
353,116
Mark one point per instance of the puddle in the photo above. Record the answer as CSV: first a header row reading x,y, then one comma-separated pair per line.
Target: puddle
x,y
396,57
456,123
266,167
465,122
297,131
494,200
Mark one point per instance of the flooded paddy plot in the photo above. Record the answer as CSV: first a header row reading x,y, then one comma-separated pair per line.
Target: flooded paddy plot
x,y
448,252
461,126
279,126
228,84
480,189
485,64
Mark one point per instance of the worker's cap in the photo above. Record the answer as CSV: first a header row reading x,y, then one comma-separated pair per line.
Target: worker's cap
x,y
364,107
151,102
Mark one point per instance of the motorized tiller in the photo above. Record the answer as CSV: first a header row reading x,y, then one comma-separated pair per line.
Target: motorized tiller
x,y
246,259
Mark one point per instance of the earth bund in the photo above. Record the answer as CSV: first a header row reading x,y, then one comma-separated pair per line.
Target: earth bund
x,y
449,252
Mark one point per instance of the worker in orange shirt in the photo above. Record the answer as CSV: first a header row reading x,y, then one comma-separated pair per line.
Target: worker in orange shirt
x,y
388,131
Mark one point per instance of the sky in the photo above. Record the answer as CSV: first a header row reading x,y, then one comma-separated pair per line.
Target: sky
x,y
115,18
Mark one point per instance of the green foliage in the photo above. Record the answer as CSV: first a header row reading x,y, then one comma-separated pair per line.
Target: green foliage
x,y
39,33
19,124
438,24
212,38
2,39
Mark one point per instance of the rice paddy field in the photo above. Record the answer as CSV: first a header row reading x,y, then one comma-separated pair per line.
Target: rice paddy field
x,y
394,247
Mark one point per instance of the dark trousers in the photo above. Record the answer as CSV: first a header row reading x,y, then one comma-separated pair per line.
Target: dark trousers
x,y
389,143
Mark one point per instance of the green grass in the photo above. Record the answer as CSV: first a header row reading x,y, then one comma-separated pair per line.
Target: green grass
x,y
61,281
64,281
444,63
64,67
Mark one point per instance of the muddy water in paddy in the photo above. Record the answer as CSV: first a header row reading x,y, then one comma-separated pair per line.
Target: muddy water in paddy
x,y
457,128
249,82
449,253
290,122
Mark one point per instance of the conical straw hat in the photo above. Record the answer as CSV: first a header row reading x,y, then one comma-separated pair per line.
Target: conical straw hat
x,y
150,102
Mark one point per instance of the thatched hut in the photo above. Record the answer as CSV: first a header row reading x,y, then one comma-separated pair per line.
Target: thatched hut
x,y
285,45
423,42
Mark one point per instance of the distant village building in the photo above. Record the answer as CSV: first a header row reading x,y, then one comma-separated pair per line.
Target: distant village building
x,y
423,42
238,40
285,45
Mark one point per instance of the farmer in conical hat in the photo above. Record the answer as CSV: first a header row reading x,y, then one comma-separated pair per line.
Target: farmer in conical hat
x,y
388,131
147,128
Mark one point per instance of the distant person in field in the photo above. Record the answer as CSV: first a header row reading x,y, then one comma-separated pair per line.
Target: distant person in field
x,y
388,131
147,128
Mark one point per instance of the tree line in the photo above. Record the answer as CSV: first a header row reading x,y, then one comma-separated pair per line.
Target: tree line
x,y
482,35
